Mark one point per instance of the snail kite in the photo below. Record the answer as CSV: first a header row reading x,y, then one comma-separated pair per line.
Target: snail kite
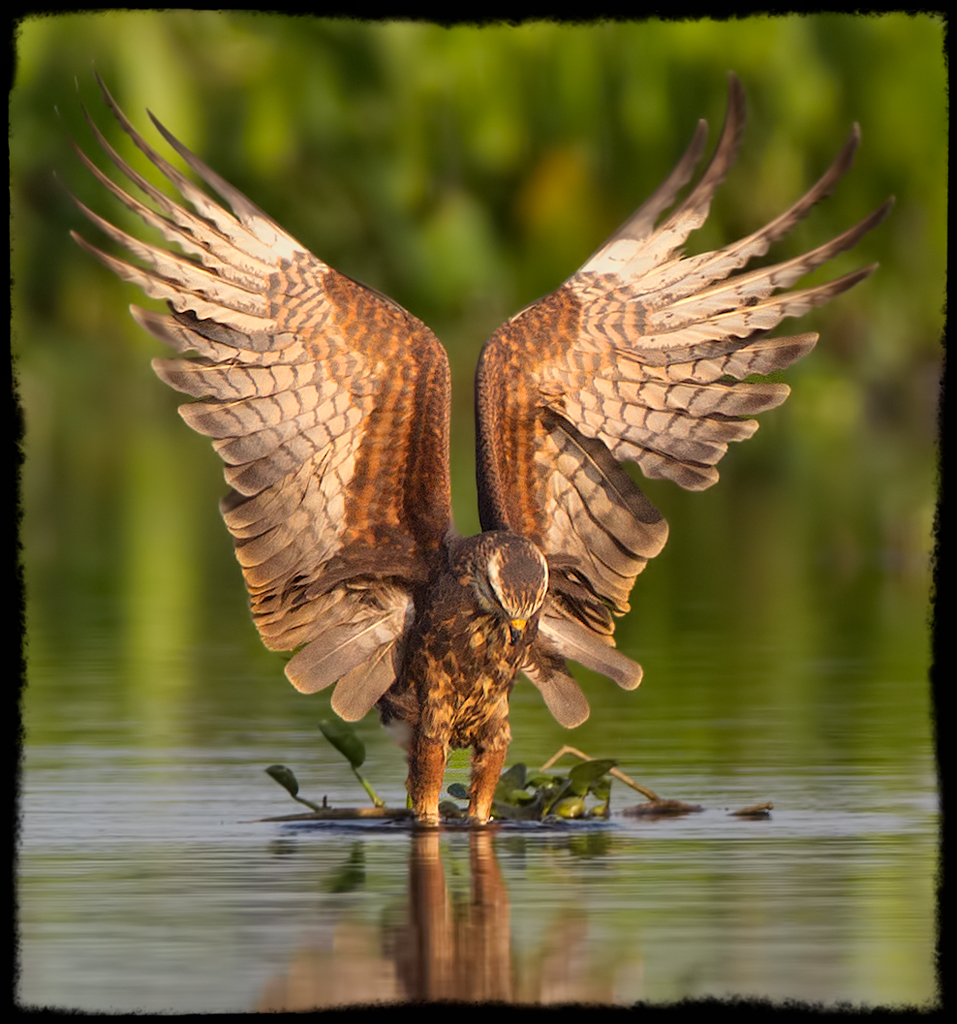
x,y
329,405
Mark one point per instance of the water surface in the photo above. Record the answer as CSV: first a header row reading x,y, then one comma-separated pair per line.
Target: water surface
x,y
148,880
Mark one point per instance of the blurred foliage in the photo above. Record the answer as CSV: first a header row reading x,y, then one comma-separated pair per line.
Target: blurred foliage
x,y
465,172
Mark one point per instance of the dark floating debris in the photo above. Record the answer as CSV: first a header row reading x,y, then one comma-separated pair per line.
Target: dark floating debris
x,y
661,809
757,811
345,814
583,793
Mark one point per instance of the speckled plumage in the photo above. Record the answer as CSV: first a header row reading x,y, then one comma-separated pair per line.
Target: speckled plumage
x,y
329,405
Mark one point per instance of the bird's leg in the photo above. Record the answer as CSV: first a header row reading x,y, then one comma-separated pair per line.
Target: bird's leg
x,y
426,772
487,766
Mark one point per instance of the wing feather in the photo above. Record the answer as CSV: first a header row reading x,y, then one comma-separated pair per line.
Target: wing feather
x,y
328,404
640,356
562,695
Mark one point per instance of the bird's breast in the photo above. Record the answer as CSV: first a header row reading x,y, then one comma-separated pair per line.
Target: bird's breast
x,y
458,674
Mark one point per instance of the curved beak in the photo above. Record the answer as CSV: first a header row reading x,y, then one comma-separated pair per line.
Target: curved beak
x,y
516,629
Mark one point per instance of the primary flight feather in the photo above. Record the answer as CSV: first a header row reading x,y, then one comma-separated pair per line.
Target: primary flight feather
x,y
329,405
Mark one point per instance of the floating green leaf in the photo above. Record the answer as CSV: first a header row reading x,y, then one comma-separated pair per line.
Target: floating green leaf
x,y
521,811
583,776
555,791
569,807
511,786
601,790
540,779
343,737
519,796
285,777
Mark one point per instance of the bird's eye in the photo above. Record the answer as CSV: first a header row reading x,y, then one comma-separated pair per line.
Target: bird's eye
x,y
486,597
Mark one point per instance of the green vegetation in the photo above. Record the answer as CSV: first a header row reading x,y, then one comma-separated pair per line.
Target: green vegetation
x,y
583,793
464,172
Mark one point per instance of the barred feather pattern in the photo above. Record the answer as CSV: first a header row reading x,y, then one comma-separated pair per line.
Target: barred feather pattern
x,y
306,382
641,356
329,406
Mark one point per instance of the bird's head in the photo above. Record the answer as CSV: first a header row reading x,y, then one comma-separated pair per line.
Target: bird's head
x,y
510,580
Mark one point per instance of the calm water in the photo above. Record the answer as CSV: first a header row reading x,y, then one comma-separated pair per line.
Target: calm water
x,y
144,885
148,882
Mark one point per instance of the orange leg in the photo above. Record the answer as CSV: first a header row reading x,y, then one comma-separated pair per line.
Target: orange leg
x,y
486,768
426,772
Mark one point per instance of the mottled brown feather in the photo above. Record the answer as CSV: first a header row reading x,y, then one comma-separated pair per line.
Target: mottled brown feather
x,y
329,405
327,402
630,360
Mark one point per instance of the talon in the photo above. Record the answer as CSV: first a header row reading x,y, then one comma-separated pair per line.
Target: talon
x,y
427,821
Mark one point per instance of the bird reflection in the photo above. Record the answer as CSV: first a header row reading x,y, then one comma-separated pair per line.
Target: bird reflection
x,y
445,948
443,953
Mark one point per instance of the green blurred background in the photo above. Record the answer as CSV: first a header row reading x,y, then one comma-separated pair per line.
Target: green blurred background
x,y
465,172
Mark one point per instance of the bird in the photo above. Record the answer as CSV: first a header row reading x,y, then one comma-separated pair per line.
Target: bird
x,y
329,405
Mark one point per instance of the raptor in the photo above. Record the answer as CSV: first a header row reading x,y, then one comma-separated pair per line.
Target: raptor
x,y
329,405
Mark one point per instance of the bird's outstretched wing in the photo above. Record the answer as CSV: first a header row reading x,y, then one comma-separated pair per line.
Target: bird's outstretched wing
x,y
636,357
329,404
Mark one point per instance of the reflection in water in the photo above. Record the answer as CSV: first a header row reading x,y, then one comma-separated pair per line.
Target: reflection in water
x,y
447,952
136,893
447,948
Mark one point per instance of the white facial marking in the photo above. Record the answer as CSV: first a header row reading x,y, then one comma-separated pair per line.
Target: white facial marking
x,y
494,575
